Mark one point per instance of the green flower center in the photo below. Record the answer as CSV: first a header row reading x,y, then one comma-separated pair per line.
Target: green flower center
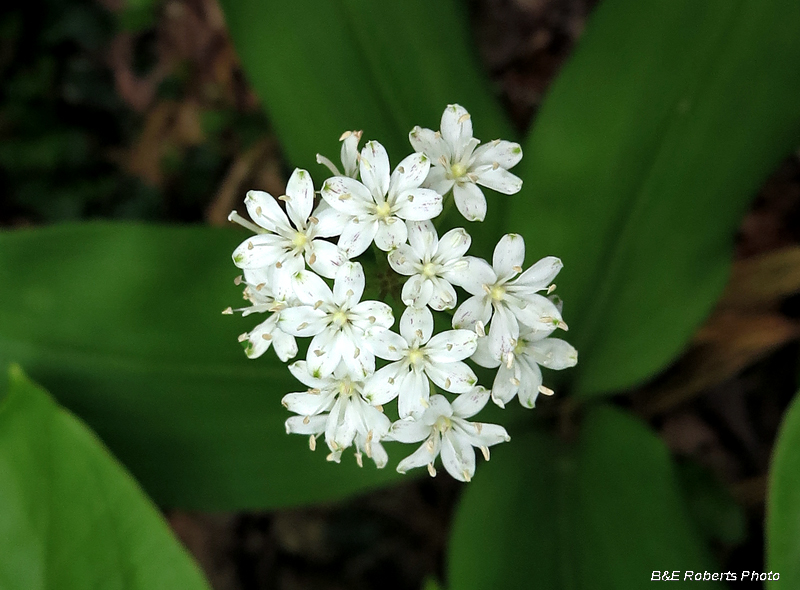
x,y
458,170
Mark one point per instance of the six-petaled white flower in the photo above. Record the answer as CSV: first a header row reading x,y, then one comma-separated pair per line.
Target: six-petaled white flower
x,y
364,204
514,301
282,246
519,373
418,357
446,431
433,264
460,165
333,405
377,206
337,319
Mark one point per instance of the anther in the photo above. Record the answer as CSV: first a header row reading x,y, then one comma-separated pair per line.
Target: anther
x,y
312,442
306,419
431,470
266,336
545,390
243,337
551,288
485,451
463,118
227,311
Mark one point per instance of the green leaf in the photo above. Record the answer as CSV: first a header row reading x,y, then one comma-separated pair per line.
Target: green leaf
x,y
643,159
321,68
783,503
123,324
72,517
603,513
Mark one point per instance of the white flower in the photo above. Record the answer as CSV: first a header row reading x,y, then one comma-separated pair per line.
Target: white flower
x,y
514,301
434,265
377,206
258,292
519,372
349,155
459,166
337,319
418,357
333,405
282,246
446,429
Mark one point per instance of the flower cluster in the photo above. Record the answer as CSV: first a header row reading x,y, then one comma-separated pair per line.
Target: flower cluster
x,y
303,269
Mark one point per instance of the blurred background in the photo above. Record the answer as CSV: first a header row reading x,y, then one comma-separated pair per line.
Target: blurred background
x,y
112,111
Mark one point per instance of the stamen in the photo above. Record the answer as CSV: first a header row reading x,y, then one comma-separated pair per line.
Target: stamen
x,y
227,311
243,337
312,442
236,218
545,390
359,460
551,288
431,470
485,451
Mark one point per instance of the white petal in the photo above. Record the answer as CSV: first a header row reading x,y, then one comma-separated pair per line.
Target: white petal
x,y
429,143
456,127
503,332
283,272
372,315
310,288
403,259
358,358
348,285
498,179
422,238
483,355
349,152
475,309
409,173
418,204
416,325
443,296
260,338
470,201
477,274
306,424
323,356
437,406
505,153
438,180
509,255
414,393
409,431
391,233
307,404
530,380
417,291
347,195
379,455
458,456
374,166
265,211
452,345
330,222
342,425
327,258
480,434
506,383
539,276
284,344
454,377
299,197
384,385
553,353
537,312
468,404
453,245
301,372
425,455
357,236
302,321
259,251
387,345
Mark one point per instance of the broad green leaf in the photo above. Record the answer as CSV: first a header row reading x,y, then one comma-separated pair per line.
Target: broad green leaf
x,y
72,518
323,67
603,513
642,161
122,323
783,503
